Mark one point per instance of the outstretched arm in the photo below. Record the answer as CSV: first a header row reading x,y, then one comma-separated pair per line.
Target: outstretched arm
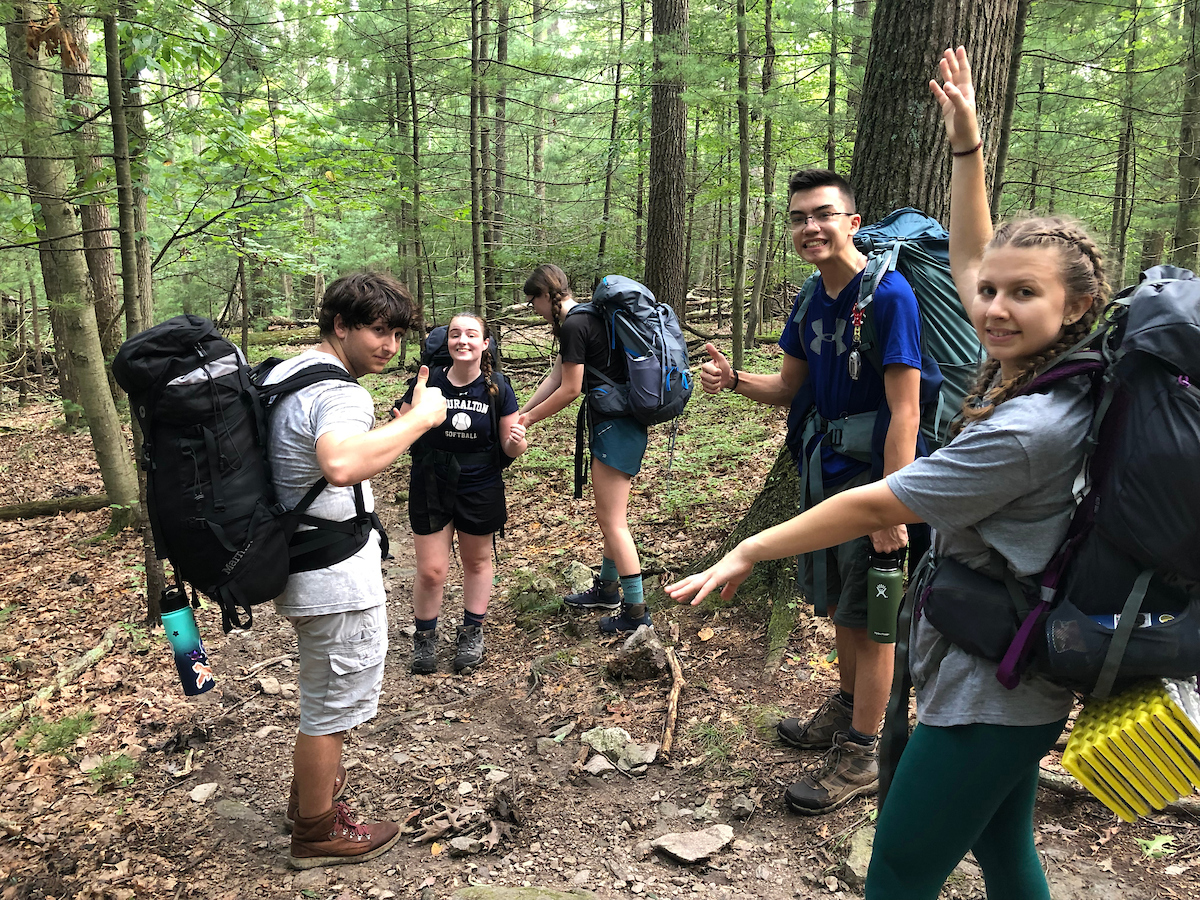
x,y
548,386
841,518
970,218
570,386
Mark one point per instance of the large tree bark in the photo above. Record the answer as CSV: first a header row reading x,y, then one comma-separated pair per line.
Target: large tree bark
x,y
900,155
1187,218
668,157
48,182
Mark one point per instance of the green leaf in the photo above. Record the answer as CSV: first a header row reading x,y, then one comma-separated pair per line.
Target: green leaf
x,y
1157,846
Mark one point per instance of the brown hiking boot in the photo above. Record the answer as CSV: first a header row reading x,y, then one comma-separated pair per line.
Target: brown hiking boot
x,y
293,807
334,839
817,733
848,770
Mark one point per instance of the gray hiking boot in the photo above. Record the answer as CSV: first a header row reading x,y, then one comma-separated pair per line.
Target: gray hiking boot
x,y
470,647
818,732
424,654
848,770
601,595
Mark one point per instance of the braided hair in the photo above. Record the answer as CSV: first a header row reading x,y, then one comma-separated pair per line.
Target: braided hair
x,y
1082,273
485,361
550,279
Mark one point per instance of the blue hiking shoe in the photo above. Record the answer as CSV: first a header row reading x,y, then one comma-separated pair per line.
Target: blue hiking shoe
x,y
632,617
598,596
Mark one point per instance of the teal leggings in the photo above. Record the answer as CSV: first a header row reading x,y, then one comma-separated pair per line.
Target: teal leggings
x,y
966,787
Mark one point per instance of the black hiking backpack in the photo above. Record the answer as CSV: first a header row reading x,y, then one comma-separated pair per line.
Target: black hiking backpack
x,y
1121,597
203,414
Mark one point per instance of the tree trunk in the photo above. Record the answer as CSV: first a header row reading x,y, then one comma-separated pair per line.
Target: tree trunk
x,y
900,156
539,141
831,96
614,152
139,143
693,189
1035,157
766,234
639,242
500,156
743,109
476,159
94,217
1123,190
1153,244
1187,218
418,243
668,156
1010,103
486,194
48,187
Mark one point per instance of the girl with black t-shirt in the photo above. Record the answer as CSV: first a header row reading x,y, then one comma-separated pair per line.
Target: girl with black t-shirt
x,y
617,443
456,487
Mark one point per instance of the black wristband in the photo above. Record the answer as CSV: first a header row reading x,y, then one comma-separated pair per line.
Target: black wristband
x,y
736,379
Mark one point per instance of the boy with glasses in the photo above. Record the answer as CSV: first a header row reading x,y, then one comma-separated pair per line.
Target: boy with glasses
x,y
824,380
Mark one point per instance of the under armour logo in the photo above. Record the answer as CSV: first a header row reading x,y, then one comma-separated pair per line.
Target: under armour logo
x,y
834,336
880,591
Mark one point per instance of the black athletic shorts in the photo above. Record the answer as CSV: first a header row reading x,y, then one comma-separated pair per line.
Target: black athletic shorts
x,y
477,511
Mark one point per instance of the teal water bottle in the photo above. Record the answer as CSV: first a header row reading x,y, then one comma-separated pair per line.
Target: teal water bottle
x,y
191,659
885,590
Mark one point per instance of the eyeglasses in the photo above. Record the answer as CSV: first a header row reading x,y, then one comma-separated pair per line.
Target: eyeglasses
x,y
824,217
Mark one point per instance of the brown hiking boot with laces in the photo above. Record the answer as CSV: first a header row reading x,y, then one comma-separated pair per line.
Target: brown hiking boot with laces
x,y
293,807
817,733
848,770
333,839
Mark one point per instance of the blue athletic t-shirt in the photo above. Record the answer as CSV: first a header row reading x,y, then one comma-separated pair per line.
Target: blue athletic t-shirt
x,y
825,345
468,424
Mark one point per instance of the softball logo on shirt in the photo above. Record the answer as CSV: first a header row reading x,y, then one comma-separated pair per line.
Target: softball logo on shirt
x,y
461,421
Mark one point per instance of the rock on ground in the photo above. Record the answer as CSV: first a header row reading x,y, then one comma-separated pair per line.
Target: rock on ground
x,y
694,846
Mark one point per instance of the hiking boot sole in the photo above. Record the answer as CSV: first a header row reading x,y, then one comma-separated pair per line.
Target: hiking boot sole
x,y
314,862
594,604
861,791
417,669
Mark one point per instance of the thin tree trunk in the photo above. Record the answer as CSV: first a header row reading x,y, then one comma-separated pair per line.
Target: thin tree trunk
x,y
762,259
1036,156
693,189
94,218
1187,218
48,187
614,153
500,157
1122,193
1153,244
1010,103
831,97
476,159
418,243
35,321
139,143
539,138
743,109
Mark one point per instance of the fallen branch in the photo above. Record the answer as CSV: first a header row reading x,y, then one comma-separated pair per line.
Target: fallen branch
x,y
259,666
1069,787
677,684
72,671
37,508
697,332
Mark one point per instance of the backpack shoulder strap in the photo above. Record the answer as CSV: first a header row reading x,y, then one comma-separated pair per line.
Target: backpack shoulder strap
x,y
309,375
806,294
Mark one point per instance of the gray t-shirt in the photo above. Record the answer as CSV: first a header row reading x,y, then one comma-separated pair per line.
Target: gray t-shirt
x,y
1005,484
297,421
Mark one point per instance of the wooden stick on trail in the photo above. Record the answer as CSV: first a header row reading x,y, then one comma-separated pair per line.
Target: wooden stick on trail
x,y
677,684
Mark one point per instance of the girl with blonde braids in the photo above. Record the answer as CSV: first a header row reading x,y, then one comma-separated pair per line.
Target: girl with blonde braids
x,y
617,444
456,488
999,496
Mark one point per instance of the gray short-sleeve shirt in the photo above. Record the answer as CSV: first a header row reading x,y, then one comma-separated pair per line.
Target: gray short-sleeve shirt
x,y
296,422
1005,483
